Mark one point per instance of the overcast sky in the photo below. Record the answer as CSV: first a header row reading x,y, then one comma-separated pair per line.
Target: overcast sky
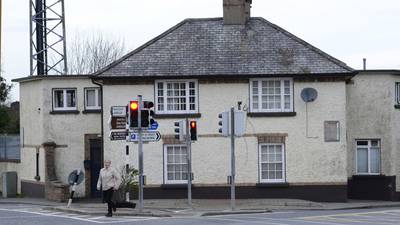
x,y
346,29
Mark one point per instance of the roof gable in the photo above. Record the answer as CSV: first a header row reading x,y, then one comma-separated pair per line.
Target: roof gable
x,y
206,47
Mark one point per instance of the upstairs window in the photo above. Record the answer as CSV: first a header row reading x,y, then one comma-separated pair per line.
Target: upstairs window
x,y
176,97
92,98
64,99
397,93
368,157
271,95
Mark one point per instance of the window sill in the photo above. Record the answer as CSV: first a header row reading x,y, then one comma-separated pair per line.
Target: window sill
x,y
168,116
271,114
368,176
268,185
11,160
174,186
58,112
91,111
397,106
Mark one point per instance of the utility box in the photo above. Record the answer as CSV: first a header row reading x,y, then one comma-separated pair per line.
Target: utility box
x,y
9,184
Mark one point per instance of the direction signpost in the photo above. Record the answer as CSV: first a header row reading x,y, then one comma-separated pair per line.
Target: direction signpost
x,y
147,136
118,123
118,135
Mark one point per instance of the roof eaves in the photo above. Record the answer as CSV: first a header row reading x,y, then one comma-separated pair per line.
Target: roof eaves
x,y
308,45
43,77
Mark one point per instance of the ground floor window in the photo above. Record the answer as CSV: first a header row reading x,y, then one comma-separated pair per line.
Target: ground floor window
x,y
368,157
271,163
175,164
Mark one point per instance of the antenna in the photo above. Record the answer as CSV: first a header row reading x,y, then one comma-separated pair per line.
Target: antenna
x,y
47,37
309,94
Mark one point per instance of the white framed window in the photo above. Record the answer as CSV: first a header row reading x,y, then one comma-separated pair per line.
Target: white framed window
x,y
397,93
176,96
368,157
271,95
92,98
175,164
64,99
271,163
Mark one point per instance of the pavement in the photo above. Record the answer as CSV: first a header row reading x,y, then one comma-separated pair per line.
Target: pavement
x,y
200,207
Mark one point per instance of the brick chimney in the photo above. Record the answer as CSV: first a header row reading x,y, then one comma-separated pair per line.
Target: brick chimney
x,y
236,12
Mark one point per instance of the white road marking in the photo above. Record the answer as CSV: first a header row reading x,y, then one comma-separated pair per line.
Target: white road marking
x,y
241,221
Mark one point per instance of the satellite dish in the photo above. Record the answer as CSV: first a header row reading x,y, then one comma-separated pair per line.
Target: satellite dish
x,y
309,94
76,176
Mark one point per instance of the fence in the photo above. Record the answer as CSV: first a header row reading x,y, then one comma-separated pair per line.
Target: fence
x,y
10,147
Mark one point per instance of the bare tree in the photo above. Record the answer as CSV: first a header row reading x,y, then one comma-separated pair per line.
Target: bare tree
x,y
90,53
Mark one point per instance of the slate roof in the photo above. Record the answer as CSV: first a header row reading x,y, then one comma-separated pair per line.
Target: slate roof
x,y
206,47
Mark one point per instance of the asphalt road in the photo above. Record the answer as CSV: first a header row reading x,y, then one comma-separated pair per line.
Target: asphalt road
x,y
35,215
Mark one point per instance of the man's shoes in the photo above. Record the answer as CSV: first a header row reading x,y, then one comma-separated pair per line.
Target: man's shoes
x,y
108,215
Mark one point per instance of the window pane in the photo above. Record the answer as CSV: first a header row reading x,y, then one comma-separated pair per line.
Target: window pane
x,y
71,98
362,142
362,160
375,143
90,98
99,97
375,160
58,99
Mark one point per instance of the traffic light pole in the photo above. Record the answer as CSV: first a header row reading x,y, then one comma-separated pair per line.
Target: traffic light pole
x,y
233,159
140,142
189,161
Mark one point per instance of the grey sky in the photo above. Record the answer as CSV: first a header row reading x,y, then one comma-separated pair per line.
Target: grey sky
x,y
346,29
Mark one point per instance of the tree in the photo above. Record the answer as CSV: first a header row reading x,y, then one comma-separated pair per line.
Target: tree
x,y
4,90
88,54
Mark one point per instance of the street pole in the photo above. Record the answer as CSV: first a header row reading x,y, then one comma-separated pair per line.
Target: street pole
x,y
189,162
127,171
140,153
232,158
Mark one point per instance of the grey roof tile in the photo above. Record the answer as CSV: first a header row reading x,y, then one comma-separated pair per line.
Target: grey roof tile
x,y
206,47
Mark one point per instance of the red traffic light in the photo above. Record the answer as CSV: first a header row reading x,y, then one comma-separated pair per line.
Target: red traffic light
x,y
134,105
193,124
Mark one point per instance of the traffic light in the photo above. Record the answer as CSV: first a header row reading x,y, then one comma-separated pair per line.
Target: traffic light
x,y
193,130
224,124
133,114
180,130
147,114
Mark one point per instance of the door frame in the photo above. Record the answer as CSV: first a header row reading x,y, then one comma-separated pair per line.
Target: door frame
x,y
89,137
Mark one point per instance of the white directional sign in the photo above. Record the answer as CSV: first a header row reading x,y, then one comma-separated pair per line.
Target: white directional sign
x,y
118,111
147,136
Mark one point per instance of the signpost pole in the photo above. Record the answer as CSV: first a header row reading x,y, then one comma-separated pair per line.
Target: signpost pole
x,y
127,171
140,153
233,159
189,162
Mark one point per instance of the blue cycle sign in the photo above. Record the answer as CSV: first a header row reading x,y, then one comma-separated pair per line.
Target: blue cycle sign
x,y
153,126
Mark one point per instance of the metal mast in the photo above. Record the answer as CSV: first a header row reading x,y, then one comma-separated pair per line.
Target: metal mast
x,y
47,37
